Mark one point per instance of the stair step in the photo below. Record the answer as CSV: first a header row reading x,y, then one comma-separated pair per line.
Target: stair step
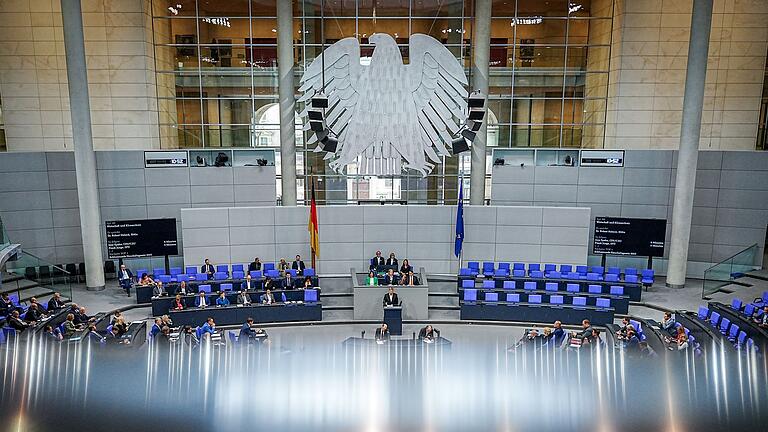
x,y
11,277
38,292
444,314
337,315
337,301
443,301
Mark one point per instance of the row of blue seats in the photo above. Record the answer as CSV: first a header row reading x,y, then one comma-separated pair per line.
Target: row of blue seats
x,y
549,286
192,275
751,310
566,271
726,328
470,296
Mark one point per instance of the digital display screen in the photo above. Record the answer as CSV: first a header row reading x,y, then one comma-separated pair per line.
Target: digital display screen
x,y
630,237
141,238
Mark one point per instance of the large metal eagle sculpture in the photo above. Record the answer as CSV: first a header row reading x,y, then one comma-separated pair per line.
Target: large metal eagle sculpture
x,y
388,115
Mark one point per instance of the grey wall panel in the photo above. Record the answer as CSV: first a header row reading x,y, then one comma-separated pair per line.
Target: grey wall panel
x,y
479,215
556,175
243,217
418,252
204,218
514,174
565,217
29,200
519,234
559,254
23,162
706,179
261,235
65,254
385,233
479,233
66,198
195,237
339,233
299,216
644,211
746,218
645,195
337,215
123,196
477,252
705,197
61,217
555,193
532,216
430,233
166,177
724,252
701,215
246,253
197,255
211,176
121,178
119,159
33,238
700,252
62,180
124,213
701,233
710,160
565,235
29,181
64,161
391,216
613,209
512,192
254,175
168,195
752,161
646,177
400,249
599,194
738,236
254,203
648,159
431,215
600,176
29,219
290,250
743,199
165,211
68,236
212,194
254,193
290,234
518,253
342,251
744,180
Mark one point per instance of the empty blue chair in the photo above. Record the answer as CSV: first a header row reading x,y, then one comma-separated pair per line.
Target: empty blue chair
x,y
636,324
518,273
529,286
310,296
470,295
293,273
630,279
749,309
222,268
226,287
219,276
488,268
182,278
741,338
554,275
566,268
237,267
518,266
309,272
581,269
509,284
513,298
617,290
14,298
175,271
579,301
534,299
491,297
573,275
630,271
751,344
534,267
595,289
550,286
725,323
592,276
736,304
556,299
647,277
201,277
714,319
504,266
238,275
733,332
166,279
489,284
273,273
703,312
158,272
199,333
500,273
232,337
762,301
206,288
603,303
610,277
474,267
572,288
191,270
256,274
537,274
613,270
468,283
597,269
549,268
465,271
268,266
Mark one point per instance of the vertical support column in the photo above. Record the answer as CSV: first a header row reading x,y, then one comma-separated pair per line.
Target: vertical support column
x,y
85,157
687,157
481,49
287,101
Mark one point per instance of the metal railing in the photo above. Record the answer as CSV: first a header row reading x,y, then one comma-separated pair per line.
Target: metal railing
x,y
728,270
49,276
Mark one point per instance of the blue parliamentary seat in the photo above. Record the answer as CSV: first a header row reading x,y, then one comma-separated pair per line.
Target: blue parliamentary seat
x,y
551,286
761,302
223,268
166,279
470,295
513,298
630,279
611,277
226,287
509,285
309,271
293,273
630,271
474,267
529,286
603,303
468,283
549,268
191,270
504,266
556,300
204,287
518,273
592,276
616,290
273,273
703,313
518,266
733,332
255,274
488,268
725,323
491,297
310,296
220,276
182,278
741,338
537,274
238,267
613,270
597,269
714,319
534,268
465,272
201,277
534,299
489,284
572,288
581,269
573,275
173,271
157,272
579,301
595,289
500,273
238,274
554,275
647,277
268,266
736,304
566,268
749,310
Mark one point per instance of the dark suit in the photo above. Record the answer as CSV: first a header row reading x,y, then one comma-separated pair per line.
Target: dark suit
x,y
33,314
244,298
382,336
288,283
377,261
391,300
208,269
245,333
405,269
112,339
269,284
390,280
81,318
254,285
198,302
125,279
54,304
254,266
268,298
6,306
298,266
17,324
423,334
392,262
557,337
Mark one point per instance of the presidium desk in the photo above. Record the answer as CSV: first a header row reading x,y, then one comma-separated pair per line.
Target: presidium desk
x,y
368,299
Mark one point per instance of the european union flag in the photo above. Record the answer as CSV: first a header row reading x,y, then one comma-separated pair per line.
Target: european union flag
x,y
460,222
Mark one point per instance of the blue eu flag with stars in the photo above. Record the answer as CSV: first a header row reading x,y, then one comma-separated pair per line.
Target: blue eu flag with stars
x,y
460,222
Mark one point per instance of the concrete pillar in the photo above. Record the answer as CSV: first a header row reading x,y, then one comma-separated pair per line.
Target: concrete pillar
x,y
481,48
687,157
85,157
287,101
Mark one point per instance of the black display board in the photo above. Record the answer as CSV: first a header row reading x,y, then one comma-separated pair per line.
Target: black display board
x,y
626,236
141,238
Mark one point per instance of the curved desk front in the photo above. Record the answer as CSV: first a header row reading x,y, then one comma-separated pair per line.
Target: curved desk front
x,y
234,315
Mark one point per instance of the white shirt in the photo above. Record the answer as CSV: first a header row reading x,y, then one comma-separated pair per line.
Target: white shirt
x,y
123,274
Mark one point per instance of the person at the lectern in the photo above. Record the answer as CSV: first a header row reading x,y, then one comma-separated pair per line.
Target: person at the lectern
x,y
390,278
392,260
208,269
382,333
201,301
390,298
255,265
428,334
377,261
298,265
125,277
222,300
406,267
268,298
371,279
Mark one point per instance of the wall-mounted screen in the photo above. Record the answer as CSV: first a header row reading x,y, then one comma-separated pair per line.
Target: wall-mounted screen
x,y
141,238
626,236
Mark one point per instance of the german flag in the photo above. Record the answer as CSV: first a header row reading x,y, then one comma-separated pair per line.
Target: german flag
x,y
314,228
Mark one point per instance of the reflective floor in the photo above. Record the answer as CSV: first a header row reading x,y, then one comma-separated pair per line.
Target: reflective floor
x,y
308,379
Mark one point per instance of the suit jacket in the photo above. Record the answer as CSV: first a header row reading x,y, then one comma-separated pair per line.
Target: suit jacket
x,y
298,265
390,280
288,284
6,306
268,298
245,332
254,285
392,262
54,305
197,301
558,335
254,266
158,290
81,318
406,268
33,315
377,261
222,301
244,298
208,269
154,331
120,274
394,301
424,334
382,336
17,324
207,328
270,284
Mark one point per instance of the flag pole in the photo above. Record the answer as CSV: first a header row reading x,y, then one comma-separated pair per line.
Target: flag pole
x,y
461,197
312,188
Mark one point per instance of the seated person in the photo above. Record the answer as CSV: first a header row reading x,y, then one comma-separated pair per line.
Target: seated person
x,y
308,284
269,284
371,279
244,298
586,330
558,334
531,338
428,333
209,326
93,335
679,342
632,340
763,320
166,321
249,284
392,261
288,283
69,326
377,261
668,324
121,326
646,351
55,303
81,317
246,332
201,301
621,333
282,266
222,300
182,288
382,333
49,335
208,269
409,279
6,304
596,340
390,278
15,322
158,290
268,297
190,338
406,267
390,298
40,308
255,265
156,327
298,265
146,279
113,336
34,314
